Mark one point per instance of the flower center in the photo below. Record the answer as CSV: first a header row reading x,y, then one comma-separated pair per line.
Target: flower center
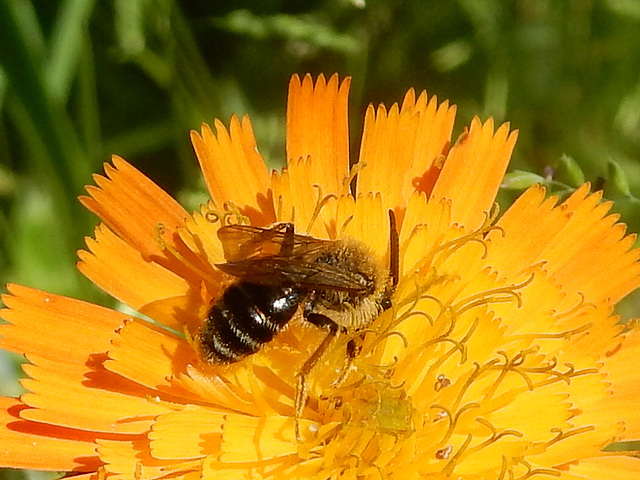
x,y
440,374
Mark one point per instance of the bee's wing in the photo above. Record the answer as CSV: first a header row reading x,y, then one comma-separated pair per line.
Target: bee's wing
x,y
243,242
292,271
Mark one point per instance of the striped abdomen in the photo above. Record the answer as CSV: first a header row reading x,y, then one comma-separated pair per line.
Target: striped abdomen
x,y
244,318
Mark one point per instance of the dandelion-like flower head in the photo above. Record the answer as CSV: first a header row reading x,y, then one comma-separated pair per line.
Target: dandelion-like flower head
x,y
500,357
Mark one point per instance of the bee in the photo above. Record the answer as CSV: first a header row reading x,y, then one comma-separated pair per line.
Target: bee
x,y
337,285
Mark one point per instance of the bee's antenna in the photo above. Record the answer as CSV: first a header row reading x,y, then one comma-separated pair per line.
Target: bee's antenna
x,y
394,246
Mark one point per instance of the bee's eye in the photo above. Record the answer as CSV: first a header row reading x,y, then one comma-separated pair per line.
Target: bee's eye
x,y
327,259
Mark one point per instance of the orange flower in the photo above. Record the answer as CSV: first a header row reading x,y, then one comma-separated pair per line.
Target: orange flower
x,y
500,357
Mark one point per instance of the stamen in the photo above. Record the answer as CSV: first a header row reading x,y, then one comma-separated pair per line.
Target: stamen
x,y
231,211
415,314
453,419
383,336
444,251
495,435
478,369
476,235
566,376
440,416
457,347
415,300
562,335
280,212
389,367
487,424
493,215
508,366
560,435
631,325
451,465
472,329
494,296
184,467
581,304
212,216
159,231
541,471
321,201
353,173
343,228
279,207
503,469
531,472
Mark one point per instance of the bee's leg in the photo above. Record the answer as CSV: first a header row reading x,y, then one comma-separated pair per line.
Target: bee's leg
x,y
354,347
324,322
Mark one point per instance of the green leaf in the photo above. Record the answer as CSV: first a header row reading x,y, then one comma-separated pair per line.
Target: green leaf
x,y
570,169
618,178
520,180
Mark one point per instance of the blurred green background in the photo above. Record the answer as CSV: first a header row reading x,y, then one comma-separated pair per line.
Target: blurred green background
x,y
82,79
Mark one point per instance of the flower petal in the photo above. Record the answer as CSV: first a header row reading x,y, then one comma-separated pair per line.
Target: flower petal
x,y
67,330
193,432
133,206
131,458
318,127
605,467
233,169
368,223
388,143
567,238
406,142
149,356
473,171
623,377
40,446
86,398
121,271
240,445
299,199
